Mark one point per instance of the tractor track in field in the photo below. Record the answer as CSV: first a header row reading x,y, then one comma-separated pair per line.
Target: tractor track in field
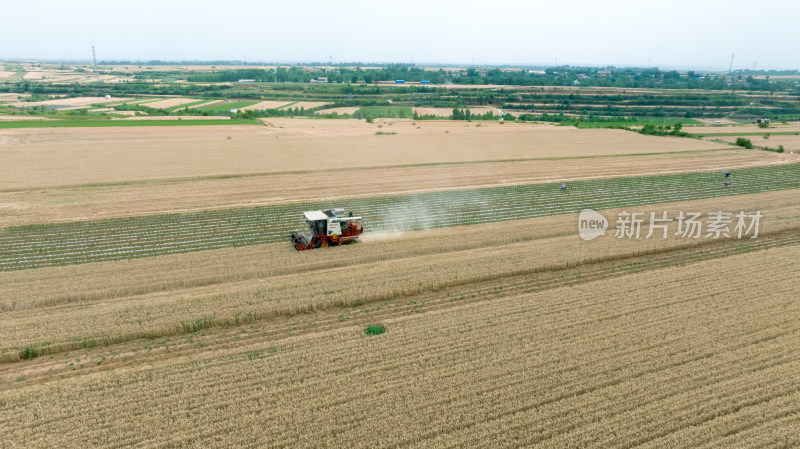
x,y
280,331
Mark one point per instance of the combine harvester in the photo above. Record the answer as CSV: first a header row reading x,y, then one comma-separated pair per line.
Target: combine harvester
x,y
328,228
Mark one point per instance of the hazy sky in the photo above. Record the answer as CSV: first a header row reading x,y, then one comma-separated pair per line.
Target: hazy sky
x,y
677,33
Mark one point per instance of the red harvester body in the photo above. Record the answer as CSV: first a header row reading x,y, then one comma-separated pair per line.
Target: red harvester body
x,y
328,228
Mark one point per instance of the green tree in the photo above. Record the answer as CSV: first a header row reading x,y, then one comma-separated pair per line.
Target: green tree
x,y
744,142
281,74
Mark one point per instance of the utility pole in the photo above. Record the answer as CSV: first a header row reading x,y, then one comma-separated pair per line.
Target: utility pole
x,y
94,60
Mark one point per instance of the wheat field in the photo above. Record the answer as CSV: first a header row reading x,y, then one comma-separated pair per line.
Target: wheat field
x,y
38,158
23,206
660,360
150,297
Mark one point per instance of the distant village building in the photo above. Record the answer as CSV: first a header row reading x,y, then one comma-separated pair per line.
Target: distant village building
x,y
247,81
320,79
761,120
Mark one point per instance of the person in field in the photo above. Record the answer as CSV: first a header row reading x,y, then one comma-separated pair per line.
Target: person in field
x,y
563,186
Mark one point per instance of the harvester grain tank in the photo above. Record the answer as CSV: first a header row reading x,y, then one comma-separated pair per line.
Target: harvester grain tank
x,y
329,227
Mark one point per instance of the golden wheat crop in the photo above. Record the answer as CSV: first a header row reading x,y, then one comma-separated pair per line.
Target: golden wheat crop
x,y
661,359
385,270
507,334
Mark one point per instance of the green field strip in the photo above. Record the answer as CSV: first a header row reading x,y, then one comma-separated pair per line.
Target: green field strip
x,y
186,105
388,111
149,101
35,246
226,107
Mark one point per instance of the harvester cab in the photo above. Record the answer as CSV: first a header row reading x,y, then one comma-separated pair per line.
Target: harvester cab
x,y
329,227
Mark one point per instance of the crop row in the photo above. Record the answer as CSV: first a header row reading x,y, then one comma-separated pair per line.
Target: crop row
x,y
144,236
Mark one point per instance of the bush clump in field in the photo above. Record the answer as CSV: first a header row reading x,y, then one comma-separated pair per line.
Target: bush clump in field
x,y
381,133
744,142
780,149
28,353
375,329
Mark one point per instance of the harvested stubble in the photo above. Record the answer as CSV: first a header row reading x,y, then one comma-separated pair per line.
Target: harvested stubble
x,y
75,203
265,105
304,105
37,158
709,130
136,237
790,142
661,359
170,102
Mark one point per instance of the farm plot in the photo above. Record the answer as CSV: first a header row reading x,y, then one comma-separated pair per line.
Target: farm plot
x,y
210,103
145,236
789,142
122,122
171,102
172,118
263,105
235,333
350,110
148,198
46,158
744,129
226,106
146,304
76,283
386,111
14,118
676,365
304,105
68,103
